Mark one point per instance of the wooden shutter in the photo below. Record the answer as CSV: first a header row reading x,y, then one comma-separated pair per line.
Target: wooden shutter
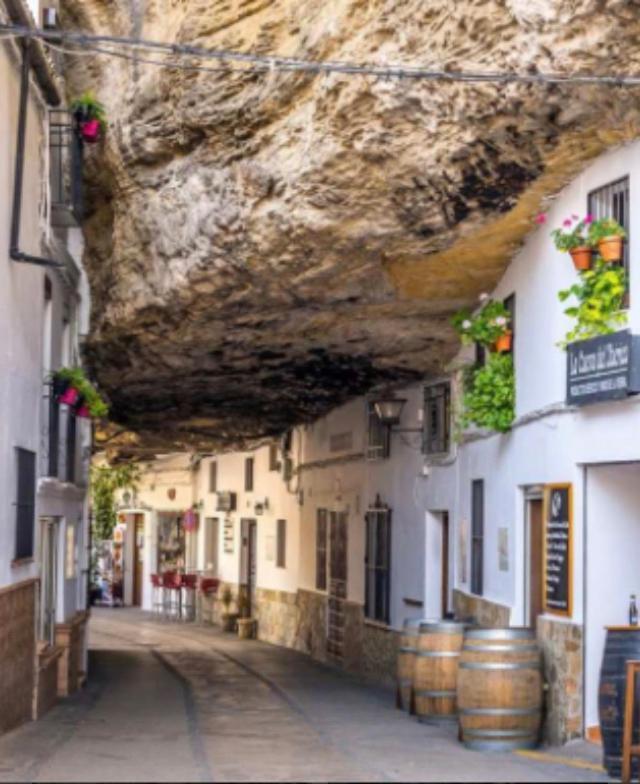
x,y
25,503
281,558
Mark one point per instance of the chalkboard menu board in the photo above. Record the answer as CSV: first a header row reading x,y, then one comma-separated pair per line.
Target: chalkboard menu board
x,y
558,549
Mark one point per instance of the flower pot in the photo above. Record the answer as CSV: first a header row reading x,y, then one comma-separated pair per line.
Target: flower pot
x,y
610,248
503,343
83,412
90,131
246,628
581,257
70,396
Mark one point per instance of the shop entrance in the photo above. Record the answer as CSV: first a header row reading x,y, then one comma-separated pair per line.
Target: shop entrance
x,y
437,583
337,584
534,556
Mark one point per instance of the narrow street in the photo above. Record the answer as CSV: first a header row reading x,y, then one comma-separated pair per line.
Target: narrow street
x,y
185,703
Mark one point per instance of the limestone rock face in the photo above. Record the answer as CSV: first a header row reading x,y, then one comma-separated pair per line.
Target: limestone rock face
x,y
262,246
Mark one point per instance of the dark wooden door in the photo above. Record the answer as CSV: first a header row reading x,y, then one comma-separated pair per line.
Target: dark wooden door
x,y
536,567
445,564
337,584
248,563
138,556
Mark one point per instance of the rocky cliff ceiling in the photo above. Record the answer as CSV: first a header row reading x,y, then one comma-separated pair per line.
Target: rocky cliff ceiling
x,y
261,247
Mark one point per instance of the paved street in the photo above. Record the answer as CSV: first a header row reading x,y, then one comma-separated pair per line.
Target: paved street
x,y
184,703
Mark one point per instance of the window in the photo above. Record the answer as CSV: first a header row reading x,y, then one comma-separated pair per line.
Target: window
x,y
287,472
248,474
54,435
379,436
378,565
510,305
211,539
274,464
612,201
437,419
71,447
321,550
213,477
477,536
281,544
25,503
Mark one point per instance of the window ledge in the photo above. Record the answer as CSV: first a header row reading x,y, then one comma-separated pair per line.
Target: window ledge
x,y
18,562
378,625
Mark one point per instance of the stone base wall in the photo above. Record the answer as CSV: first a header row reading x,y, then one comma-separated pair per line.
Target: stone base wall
x,y
277,613
561,645
46,693
311,632
17,653
482,611
70,638
380,653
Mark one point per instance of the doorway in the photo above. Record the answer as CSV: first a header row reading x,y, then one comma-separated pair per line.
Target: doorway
x,y
49,582
437,582
248,562
534,556
337,584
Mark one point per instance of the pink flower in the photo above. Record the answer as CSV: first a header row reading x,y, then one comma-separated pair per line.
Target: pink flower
x,y
589,219
567,222
541,218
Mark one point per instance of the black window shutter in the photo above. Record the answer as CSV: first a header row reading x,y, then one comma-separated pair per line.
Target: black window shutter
x,y
25,503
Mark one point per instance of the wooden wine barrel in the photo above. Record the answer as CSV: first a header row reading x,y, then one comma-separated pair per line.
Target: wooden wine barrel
x,y
436,670
406,659
623,644
500,689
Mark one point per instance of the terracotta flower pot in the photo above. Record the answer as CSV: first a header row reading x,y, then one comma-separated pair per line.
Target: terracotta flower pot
x,y
90,130
611,248
581,257
503,343
70,396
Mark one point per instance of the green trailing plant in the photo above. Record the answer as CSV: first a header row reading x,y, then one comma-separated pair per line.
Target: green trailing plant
x,y
489,395
603,228
88,107
76,378
106,480
599,296
484,326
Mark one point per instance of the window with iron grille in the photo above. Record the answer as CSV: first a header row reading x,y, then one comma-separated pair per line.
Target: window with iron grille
x,y
287,471
437,419
281,544
71,447
65,171
612,201
248,474
321,549
378,436
213,477
25,503
477,536
378,565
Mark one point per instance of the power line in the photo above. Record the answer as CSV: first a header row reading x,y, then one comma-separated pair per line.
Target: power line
x,y
267,63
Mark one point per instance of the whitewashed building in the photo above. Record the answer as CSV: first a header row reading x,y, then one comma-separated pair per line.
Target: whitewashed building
x,y
44,452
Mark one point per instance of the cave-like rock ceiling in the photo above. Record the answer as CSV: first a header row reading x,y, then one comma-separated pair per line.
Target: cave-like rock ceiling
x,y
263,246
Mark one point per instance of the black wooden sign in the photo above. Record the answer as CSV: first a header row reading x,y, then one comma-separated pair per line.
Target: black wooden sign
x,y
558,549
603,368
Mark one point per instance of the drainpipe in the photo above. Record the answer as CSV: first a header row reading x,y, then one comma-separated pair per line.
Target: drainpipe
x,y
14,247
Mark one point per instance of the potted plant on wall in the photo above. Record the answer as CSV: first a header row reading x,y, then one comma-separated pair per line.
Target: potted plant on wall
x,y
608,236
573,238
90,117
489,326
72,388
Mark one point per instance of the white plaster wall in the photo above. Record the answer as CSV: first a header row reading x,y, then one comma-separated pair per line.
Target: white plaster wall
x,y
613,555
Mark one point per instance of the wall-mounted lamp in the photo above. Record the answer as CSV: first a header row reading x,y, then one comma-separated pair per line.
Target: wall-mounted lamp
x,y
389,411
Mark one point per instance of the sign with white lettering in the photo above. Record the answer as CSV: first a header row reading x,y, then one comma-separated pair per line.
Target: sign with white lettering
x,y
558,549
229,535
603,368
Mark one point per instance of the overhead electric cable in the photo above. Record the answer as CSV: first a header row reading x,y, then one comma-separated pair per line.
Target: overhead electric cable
x,y
261,63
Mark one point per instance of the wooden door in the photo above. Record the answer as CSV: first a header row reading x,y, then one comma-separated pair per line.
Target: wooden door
x,y
337,584
248,562
138,559
445,564
536,567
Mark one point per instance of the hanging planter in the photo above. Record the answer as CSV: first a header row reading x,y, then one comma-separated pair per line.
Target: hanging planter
x,y
486,326
70,396
90,118
72,388
582,257
504,343
608,235
59,386
82,410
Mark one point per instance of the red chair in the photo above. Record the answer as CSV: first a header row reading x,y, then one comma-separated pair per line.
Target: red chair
x,y
171,595
188,586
